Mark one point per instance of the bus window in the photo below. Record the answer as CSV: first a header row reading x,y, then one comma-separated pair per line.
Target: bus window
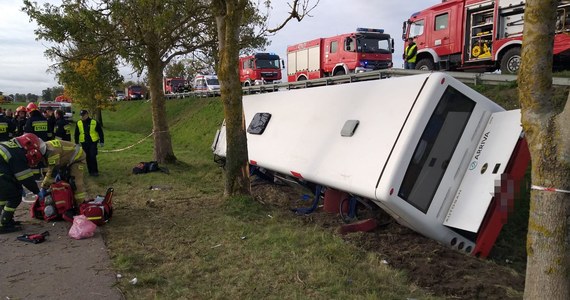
x,y
435,149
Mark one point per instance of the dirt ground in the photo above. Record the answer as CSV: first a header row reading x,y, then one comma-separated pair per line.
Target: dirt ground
x,y
58,268
433,267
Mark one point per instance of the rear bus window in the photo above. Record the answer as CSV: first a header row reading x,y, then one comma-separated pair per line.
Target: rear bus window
x,y
435,149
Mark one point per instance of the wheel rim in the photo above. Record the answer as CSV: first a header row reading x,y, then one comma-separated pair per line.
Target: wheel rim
x,y
423,68
513,64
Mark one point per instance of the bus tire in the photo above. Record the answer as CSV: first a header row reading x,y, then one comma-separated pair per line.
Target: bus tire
x,y
425,64
511,61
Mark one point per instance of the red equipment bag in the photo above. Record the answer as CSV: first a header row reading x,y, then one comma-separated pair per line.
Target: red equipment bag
x,y
57,205
98,211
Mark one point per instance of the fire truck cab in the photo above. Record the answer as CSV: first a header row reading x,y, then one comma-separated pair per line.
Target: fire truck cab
x,y
479,34
360,51
260,68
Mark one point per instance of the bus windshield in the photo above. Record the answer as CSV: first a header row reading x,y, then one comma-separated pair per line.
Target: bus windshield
x,y
267,63
435,149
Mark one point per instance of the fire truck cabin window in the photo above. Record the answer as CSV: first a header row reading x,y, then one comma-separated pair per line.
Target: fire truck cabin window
x,y
417,28
441,21
334,46
435,149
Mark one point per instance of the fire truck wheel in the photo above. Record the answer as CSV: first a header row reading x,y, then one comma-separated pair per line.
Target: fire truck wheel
x,y
339,72
425,64
511,61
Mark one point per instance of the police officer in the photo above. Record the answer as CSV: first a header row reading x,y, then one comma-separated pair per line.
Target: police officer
x,y
410,54
17,156
65,155
88,132
62,128
7,127
36,123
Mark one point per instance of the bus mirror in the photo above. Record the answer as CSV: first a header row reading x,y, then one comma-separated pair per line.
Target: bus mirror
x,y
404,27
392,42
282,64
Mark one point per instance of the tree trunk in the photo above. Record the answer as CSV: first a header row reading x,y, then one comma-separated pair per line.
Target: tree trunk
x,y
163,152
548,271
228,18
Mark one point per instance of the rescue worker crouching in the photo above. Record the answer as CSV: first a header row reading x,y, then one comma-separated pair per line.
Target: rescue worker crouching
x,y
60,155
17,156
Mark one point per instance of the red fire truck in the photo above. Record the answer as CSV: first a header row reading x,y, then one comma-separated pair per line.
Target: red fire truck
x,y
259,68
356,52
479,34
134,92
174,85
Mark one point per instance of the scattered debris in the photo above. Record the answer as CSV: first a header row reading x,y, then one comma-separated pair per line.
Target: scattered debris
x,y
133,281
216,246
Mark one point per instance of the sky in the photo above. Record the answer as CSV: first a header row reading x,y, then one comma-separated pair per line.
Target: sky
x,y
24,68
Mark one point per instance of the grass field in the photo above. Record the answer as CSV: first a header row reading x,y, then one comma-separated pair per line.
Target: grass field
x,y
182,240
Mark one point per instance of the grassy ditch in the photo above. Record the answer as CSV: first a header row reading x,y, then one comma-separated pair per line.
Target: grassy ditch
x,y
180,239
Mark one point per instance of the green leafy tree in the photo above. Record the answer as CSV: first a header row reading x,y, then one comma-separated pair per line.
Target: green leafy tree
x,y
90,82
229,17
547,131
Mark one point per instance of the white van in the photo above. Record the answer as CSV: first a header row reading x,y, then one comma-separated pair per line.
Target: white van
x,y
65,106
206,85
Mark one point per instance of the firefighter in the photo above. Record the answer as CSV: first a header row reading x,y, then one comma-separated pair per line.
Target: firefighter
x,y
20,120
6,128
17,156
62,128
36,123
88,132
410,54
48,114
67,158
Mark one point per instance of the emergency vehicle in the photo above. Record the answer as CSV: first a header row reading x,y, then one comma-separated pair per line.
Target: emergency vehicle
x,y
479,34
175,85
134,92
260,68
64,106
439,157
206,85
356,52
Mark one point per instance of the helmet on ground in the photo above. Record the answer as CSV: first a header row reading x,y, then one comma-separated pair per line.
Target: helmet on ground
x,y
34,146
20,108
31,107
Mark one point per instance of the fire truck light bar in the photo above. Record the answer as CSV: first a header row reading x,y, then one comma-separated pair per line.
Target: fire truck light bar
x,y
359,29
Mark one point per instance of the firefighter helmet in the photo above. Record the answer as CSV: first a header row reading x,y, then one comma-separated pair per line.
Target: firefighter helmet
x,y
21,108
31,107
33,146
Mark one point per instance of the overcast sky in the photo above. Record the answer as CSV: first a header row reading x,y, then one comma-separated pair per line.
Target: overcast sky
x,y
23,66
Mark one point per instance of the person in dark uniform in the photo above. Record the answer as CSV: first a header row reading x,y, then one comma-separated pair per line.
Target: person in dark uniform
x,y
17,156
62,128
7,128
48,114
88,132
20,120
36,123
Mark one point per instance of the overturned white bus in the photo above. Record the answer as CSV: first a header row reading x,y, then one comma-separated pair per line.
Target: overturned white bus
x,y
439,157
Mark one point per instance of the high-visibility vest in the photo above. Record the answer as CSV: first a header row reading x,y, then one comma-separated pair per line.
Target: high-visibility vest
x,y
92,132
409,50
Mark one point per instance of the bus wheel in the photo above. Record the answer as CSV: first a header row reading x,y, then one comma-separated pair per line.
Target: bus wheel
x,y
511,61
425,64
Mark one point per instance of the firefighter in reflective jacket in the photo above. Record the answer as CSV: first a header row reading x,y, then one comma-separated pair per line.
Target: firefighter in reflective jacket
x,y
36,123
16,158
63,155
7,127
